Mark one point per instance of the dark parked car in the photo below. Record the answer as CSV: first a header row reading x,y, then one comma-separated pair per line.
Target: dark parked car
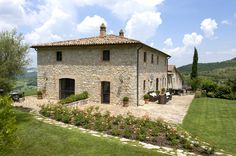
x,y
16,95
1,91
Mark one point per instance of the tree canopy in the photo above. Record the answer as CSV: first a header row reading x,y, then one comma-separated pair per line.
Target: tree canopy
x,y
13,51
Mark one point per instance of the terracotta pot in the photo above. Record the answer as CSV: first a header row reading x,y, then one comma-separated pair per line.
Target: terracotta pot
x,y
146,101
125,103
40,96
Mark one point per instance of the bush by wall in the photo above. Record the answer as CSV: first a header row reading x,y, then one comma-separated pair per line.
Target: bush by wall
x,y
143,129
8,138
73,98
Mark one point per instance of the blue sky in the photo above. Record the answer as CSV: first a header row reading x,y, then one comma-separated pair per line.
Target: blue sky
x,y
172,26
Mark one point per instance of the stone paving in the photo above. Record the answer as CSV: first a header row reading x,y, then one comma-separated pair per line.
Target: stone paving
x,y
174,111
33,103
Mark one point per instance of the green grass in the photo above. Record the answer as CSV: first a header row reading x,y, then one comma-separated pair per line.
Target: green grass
x,y
214,121
38,138
23,86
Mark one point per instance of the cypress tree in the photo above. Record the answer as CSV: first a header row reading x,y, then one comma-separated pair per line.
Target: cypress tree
x,y
195,64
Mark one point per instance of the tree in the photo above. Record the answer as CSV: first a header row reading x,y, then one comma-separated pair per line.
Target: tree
x,y
194,73
8,138
13,53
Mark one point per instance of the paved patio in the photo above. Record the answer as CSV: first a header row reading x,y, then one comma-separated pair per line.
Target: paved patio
x,y
174,111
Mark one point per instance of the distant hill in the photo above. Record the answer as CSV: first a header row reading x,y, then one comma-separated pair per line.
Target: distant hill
x,y
217,71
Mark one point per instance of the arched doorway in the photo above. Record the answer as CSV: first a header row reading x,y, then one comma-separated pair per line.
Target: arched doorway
x,y
66,87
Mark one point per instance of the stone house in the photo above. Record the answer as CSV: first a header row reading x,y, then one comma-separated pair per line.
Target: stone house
x,y
109,67
175,80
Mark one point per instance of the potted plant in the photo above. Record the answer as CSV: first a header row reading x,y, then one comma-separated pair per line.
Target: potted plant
x,y
163,91
39,94
126,101
146,98
162,98
157,92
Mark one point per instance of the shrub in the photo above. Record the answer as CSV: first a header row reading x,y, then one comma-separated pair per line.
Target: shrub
x,y
146,96
157,92
125,99
39,93
223,91
8,128
211,94
195,83
142,129
198,94
73,98
209,85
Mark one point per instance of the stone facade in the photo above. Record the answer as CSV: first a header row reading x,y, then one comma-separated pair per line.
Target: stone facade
x,y
152,73
85,66
175,80
82,62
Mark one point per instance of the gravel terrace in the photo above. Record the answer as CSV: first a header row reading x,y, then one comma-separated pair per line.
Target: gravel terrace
x,y
174,111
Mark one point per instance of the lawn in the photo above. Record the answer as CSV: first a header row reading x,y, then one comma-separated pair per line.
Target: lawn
x,y
38,138
214,121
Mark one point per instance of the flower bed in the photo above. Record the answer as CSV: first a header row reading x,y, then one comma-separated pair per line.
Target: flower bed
x,y
143,129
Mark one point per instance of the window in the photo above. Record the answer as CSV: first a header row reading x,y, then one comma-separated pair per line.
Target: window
x,y
166,61
152,59
144,84
106,55
59,56
157,59
145,56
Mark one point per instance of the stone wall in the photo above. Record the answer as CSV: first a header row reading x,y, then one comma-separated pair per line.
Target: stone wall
x,y
151,71
175,81
85,66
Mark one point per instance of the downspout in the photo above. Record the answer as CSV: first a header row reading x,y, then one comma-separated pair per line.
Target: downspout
x,y
138,73
167,72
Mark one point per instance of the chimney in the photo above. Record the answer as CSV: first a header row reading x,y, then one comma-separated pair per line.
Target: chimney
x,y
121,33
102,30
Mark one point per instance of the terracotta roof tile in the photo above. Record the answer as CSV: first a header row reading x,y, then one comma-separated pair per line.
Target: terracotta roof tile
x,y
108,39
98,40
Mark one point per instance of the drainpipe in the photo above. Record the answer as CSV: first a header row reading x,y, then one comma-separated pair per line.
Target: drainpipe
x,y
167,72
138,73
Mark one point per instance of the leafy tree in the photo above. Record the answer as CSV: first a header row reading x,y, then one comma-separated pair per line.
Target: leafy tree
x,y
195,83
209,85
7,125
13,53
194,73
232,84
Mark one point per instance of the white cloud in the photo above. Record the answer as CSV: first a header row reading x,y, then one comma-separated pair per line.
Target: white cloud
x,y
225,22
192,39
46,21
186,50
208,26
168,42
91,24
51,29
12,14
143,25
129,7
123,9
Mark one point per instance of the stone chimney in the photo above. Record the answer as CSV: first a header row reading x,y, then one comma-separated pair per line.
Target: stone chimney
x,y
102,30
121,33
